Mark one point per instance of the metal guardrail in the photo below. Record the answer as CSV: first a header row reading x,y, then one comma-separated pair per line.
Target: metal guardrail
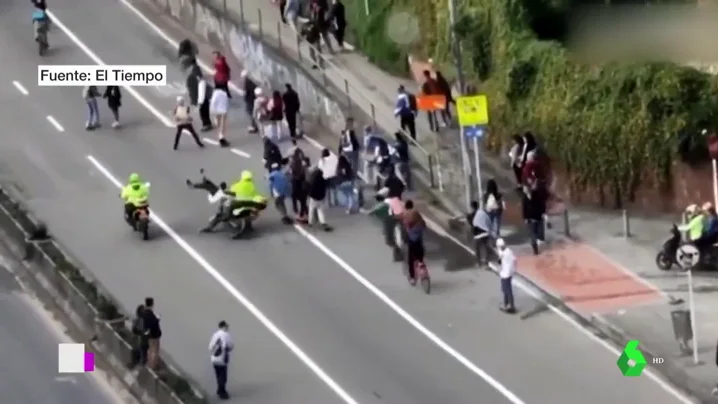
x,y
304,52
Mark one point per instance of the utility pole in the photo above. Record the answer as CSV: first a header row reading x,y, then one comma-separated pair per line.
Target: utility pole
x,y
456,46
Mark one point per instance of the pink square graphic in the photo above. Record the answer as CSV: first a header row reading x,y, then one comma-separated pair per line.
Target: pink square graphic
x,y
89,361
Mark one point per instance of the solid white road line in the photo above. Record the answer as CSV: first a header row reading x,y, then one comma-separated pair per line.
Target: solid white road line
x,y
20,87
244,301
54,123
437,228
513,398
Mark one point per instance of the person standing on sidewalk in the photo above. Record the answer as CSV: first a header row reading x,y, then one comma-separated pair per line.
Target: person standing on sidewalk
x,y
248,92
481,229
405,110
291,110
494,204
337,16
153,332
114,102
507,260
221,72
219,107
533,202
345,183
312,33
430,87
141,345
90,94
200,94
183,120
319,17
220,347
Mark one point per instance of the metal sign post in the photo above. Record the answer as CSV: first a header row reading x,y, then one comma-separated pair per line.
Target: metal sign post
x,y
688,257
473,112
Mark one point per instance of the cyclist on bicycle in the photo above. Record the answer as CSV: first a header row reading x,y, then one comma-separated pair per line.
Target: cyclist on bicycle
x,y
414,226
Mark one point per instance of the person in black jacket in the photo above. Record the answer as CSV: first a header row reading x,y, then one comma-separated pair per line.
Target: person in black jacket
x,y
345,180
139,350
200,94
247,91
337,15
291,110
114,102
401,158
153,332
187,54
298,177
317,196
393,184
272,154
534,201
310,31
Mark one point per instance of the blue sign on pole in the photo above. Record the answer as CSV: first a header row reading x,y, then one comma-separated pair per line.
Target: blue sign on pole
x,y
472,132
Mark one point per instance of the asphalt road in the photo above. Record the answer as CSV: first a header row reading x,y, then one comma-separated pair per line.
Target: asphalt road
x,y
28,348
334,296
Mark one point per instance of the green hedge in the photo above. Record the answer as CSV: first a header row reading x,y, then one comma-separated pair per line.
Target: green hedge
x,y
611,126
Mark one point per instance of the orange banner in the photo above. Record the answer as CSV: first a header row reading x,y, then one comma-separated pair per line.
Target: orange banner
x,y
430,102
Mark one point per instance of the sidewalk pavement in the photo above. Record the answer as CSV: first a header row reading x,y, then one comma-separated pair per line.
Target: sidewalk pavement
x,y
597,274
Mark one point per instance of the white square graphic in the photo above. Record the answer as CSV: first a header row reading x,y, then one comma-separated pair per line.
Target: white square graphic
x,y
71,358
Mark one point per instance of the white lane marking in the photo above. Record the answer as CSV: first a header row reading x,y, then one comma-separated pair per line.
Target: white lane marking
x,y
240,153
55,123
244,301
363,281
20,87
234,150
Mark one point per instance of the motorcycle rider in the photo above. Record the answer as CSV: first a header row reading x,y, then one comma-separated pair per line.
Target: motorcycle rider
x,y
136,195
695,225
710,228
245,194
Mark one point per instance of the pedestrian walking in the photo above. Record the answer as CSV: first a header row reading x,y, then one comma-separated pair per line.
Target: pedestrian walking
x,y
220,348
219,107
275,108
248,92
337,16
507,261
401,159
317,196
90,94
346,177
494,204
445,89
200,95
328,165
183,120
310,31
298,176
319,18
114,102
153,332
292,106
481,229
516,158
533,201
431,87
141,343
405,110
221,72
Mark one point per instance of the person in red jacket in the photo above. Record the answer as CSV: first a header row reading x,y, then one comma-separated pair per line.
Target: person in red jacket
x,y
221,73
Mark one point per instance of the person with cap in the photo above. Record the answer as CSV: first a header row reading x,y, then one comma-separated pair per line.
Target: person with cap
x,y
183,120
219,106
695,223
507,262
247,91
220,348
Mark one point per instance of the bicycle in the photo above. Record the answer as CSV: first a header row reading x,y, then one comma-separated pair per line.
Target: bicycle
x,y
421,272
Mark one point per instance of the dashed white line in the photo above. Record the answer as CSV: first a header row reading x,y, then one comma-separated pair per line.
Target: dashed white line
x,y
210,141
234,150
214,273
55,123
20,87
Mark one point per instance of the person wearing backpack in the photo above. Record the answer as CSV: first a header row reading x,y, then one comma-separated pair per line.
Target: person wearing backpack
x,y
405,110
494,205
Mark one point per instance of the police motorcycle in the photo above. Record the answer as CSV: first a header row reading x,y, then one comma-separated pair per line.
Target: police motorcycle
x,y
666,258
236,219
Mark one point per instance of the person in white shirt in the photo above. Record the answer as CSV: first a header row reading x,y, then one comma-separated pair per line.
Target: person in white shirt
x,y
219,105
507,260
220,347
328,164
183,120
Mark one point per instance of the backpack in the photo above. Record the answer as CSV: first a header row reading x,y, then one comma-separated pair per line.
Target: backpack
x,y
413,106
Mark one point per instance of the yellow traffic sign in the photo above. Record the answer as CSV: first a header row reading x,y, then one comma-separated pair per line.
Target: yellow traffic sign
x,y
473,110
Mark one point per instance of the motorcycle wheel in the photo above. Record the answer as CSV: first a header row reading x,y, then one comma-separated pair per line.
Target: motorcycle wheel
x,y
663,262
